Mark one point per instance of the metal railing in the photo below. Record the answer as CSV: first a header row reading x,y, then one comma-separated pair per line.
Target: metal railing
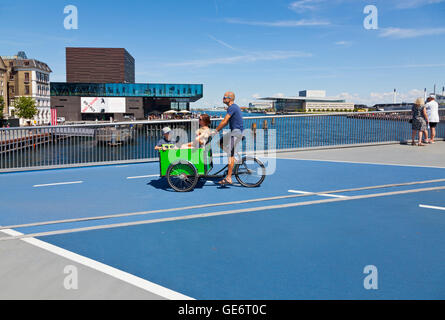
x,y
31,148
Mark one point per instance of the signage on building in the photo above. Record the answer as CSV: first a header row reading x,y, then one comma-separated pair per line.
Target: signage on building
x,y
102,105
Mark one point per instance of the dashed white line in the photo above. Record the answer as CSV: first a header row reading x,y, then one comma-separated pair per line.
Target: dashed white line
x,y
56,184
141,177
431,207
318,194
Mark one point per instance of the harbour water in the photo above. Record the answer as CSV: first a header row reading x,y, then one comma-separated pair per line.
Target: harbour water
x,y
280,132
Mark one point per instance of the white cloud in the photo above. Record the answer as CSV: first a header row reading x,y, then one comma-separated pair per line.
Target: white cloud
x,y
256,96
304,5
251,57
283,23
224,44
409,4
400,33
343,43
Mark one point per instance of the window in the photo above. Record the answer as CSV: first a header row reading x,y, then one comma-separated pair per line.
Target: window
x,y
26,90
27,76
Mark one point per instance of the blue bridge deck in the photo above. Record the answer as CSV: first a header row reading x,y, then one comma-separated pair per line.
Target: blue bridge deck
x,y
308,246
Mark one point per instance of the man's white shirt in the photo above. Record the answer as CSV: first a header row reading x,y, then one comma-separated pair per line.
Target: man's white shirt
x,y
432,109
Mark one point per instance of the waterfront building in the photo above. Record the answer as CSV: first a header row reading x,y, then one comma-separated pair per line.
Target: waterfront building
x,y
27,78
106,90
310,101
261,105
103,101
99,65
3,86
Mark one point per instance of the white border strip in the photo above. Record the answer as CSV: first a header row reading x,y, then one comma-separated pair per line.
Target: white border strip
x,y
56,184
431,207
116,273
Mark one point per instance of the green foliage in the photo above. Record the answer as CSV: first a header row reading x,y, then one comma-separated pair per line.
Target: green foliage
x,y
25,107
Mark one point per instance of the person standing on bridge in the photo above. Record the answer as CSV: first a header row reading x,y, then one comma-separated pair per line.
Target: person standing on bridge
x,y
230,141
432,109
419,120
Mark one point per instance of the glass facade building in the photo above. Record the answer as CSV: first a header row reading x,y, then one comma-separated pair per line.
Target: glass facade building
x,y
134,100
191,92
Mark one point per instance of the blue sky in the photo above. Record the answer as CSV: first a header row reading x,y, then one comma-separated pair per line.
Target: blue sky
x,y
255,48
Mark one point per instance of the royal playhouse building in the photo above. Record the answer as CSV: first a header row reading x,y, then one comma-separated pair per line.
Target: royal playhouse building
x,y
101,86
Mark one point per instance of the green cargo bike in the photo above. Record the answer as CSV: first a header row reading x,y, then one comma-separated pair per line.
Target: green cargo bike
x,y
184,167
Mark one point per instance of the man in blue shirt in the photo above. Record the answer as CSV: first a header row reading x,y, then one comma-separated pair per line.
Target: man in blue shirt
x,y
229,142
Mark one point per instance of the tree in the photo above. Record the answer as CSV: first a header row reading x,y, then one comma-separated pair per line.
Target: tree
x,y
25,107
2,106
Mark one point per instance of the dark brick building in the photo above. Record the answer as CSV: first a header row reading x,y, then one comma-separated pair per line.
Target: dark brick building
x,y
99,65
101,85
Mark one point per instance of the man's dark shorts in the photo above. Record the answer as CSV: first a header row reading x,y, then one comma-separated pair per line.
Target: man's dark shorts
x,y
433,124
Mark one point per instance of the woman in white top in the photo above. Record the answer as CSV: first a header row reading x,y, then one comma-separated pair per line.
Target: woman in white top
x,y
432,109
202,134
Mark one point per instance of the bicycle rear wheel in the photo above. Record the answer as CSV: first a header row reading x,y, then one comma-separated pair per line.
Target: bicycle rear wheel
x,y
250,173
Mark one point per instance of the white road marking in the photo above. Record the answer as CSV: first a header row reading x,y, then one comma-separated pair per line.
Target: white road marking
x,y
431,207
326,192
116,273
219,213
141,177
317,194
354,162
56,184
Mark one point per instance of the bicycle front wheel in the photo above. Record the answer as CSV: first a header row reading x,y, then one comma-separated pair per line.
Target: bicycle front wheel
x,y
182,176
250,173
